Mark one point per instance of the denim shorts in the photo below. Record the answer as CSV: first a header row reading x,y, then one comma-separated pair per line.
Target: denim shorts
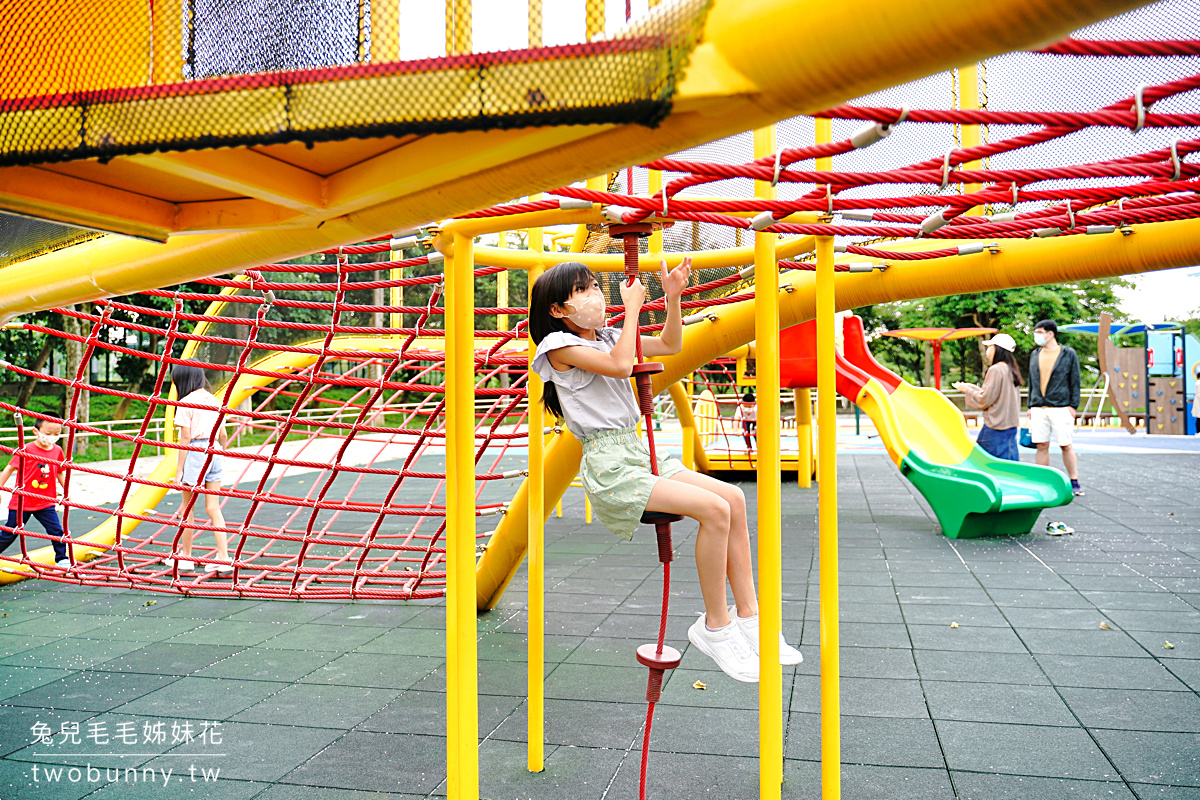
x,y
615,473
193,462
1001,444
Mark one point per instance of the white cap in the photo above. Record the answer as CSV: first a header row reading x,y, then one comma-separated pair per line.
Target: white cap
x,y
1003,340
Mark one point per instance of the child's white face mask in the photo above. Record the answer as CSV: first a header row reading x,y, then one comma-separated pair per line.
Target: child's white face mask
x,y
587,311
45,440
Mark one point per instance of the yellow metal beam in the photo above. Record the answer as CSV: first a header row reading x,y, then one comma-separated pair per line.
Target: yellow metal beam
x,y
243,172
770,542
34,192
535,521
968,99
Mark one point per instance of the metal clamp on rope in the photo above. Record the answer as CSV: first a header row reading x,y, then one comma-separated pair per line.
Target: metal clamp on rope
x,y
491,512
616,213
762,221
436,257
971,249
693,319
840,248
1140,107
945,172
515,473
1176,163
746,273
1046,233
403,243
574,204
778,162
1007,216
861,266
1094,229
932,223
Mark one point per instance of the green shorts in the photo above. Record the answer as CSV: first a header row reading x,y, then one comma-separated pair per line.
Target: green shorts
x,y
615,473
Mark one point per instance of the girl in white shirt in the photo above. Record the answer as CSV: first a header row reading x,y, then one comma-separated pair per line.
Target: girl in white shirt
x,y
586,368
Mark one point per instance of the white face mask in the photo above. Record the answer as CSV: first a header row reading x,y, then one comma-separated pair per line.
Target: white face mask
x,y
1039,339
587,312
45,440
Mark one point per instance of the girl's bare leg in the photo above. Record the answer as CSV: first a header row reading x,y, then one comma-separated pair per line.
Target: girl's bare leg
x,y
185,541
212,506
739,565
712,543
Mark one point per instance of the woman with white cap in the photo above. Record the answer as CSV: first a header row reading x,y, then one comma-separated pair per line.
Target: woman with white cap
x,y
999,399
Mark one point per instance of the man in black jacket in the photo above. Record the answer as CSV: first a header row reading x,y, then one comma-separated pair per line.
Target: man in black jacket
x,y
1053,398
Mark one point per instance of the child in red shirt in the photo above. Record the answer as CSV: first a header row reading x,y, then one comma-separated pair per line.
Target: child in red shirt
x,y
42,462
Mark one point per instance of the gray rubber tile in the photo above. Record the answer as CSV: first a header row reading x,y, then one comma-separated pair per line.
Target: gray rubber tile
x,y
27,781
380,762
165,658
1150,791
425,713
373,670
971,667
16,680
879,741
232,632
583,773
996,702
200,698
1050,752
254,752
284,791
978,786
1099,672
864,697
1149,757
71,654
1135,710
321,637
1093,642
672,776
965,638
801,781
266,664
17,724
318,706
95,691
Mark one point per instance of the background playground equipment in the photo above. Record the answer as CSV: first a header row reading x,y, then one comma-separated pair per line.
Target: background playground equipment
x,y
936,337
971,493
253,205
1154,384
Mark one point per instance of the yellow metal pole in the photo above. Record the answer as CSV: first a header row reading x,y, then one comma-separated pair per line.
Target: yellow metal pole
x,y
655,179
595,18
536,520
396,293
458,27
385,31
770,571
804,460
502,291
968,98
831,731
167,41
462,686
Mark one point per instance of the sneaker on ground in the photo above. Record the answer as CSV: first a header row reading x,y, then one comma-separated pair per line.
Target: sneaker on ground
x,y
184,566
788,655
65,563
728,647
218,567
1058,529
1078,492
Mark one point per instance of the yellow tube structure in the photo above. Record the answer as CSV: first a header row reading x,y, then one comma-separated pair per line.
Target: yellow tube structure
x,y
804,458
535,520
968,99
770,566
827,499
462,685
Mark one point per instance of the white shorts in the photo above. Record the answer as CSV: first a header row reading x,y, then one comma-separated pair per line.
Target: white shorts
x,y
1052,424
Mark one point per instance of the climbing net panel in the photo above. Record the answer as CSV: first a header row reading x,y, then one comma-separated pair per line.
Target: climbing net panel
x,y
88,80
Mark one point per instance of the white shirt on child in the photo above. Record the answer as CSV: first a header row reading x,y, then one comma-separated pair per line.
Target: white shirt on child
x,y
199,421
591,403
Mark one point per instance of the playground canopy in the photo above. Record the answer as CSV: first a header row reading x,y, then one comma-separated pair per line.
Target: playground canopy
x,y
936,336
1119,329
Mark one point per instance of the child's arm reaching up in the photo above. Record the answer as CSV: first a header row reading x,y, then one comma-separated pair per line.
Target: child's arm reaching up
x,y
618,362
670,341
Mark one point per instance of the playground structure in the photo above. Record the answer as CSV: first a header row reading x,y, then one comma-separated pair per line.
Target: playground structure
x,y
472,410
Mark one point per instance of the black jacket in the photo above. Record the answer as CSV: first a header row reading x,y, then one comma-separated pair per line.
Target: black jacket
x,y
1063,387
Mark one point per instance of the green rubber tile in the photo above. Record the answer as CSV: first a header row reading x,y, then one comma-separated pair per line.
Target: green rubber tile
x,y
40,602
425,713
12,645
265,664
319,706
370,761
407,642
281,791
71,654
1152,757
582,773
369,616
184,781
58,623
15,680
127,603
864,697
204,607
979,786
322,637
1100,672
1151,791
996,702
879,741
802,781
689,729
579,723
20,780
232,632
1049,752
251,752
143,628
91,690
166,658
601,684
501,646
285,611
967,667
372,670
1135,710
201,698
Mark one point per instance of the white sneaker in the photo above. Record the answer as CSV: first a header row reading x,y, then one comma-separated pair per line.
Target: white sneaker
x,y
219,567
728,647
184,566
788,655
64,563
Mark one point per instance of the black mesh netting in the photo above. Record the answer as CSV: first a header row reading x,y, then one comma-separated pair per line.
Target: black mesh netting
x,y
106,79
21,237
